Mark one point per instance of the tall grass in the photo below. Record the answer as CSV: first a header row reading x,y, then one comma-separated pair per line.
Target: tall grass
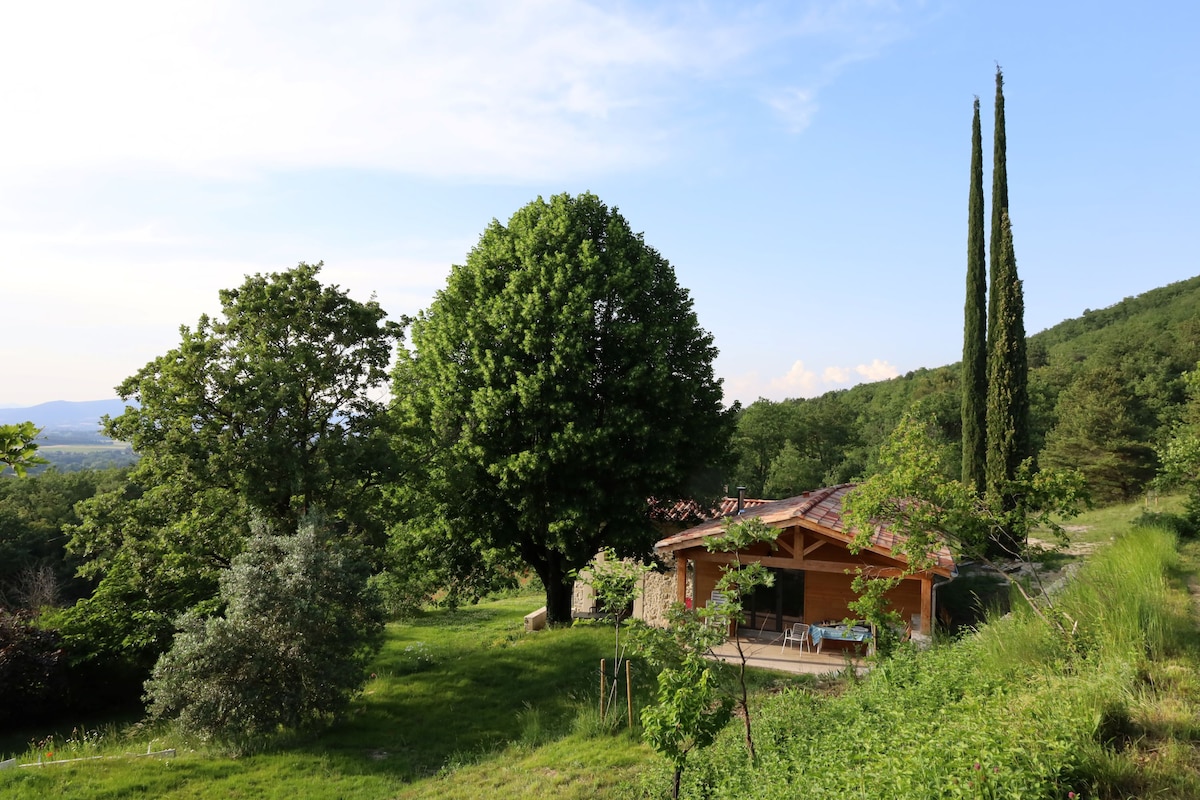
x,y
1119,607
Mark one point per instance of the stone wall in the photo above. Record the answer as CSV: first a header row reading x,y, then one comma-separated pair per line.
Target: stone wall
x,y
583,598
657,595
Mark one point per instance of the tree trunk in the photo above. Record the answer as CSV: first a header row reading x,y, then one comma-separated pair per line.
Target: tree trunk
x,y
559,590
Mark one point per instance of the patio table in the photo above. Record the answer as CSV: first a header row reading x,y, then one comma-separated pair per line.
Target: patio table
x,y
845,633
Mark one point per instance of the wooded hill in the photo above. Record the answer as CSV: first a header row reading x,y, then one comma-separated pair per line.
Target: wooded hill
x,y
1105,388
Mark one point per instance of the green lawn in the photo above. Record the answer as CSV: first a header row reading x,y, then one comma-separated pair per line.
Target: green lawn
x,y
462,703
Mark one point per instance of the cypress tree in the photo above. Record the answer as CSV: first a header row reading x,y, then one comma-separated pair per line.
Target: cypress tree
x,y
999,198
974,363
1007,364
1008,389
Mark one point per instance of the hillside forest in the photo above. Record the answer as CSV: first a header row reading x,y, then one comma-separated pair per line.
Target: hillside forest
x,y
1107,389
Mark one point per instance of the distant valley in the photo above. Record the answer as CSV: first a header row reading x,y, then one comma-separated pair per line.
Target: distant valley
x,y
71,438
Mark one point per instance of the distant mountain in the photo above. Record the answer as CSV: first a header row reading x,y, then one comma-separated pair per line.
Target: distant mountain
x,y
65,418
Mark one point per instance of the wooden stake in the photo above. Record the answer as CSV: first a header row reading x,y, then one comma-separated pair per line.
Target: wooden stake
x,y
629,693
603,688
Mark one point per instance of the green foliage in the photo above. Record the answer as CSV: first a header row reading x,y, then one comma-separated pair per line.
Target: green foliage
x,y
18,451
1146,342
974,363
269,410
431,562
1098,435
615,581
449,712
998,282
289,651
792,473
689,714
784,448
274,402
35,569
1008,384
911,496
499,713
1180,455
558,381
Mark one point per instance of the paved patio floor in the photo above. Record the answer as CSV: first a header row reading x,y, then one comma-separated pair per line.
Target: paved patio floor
x,y
769,653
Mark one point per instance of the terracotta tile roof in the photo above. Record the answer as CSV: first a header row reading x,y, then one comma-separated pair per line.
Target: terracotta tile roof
x,y
820,509
690,510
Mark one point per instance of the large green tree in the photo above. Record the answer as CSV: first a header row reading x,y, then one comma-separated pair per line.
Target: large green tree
x,y
556,384
279,401
269,412
974,363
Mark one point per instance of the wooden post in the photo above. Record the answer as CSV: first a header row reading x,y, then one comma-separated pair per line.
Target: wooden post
x,y
603,688
680,577
927,605
629,693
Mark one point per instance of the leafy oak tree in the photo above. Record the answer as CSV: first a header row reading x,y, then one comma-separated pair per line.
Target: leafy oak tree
x,y
557,383
271,411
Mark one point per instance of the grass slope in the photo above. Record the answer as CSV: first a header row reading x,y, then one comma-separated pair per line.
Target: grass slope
x,y
461,704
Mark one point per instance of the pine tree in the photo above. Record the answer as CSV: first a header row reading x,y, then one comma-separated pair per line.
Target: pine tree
x,y
1008,388
974,364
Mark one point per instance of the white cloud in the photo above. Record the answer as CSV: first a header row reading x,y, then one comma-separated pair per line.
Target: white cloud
x,y
515,89
836,375
799,381
877,370
478,88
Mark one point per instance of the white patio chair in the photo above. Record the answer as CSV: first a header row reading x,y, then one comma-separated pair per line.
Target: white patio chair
x,y
797,633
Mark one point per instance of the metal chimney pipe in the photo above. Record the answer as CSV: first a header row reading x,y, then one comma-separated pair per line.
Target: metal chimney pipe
x,y
741,499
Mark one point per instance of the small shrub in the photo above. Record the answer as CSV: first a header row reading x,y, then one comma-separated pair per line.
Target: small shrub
x,y
290,651
1181,525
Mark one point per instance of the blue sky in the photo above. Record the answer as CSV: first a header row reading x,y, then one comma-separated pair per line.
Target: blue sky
x,y
802,165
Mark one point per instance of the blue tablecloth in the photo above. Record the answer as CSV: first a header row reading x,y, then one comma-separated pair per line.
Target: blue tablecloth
x,y
855,633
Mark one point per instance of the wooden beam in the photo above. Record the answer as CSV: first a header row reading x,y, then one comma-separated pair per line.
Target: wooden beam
x,y
814,546
808,565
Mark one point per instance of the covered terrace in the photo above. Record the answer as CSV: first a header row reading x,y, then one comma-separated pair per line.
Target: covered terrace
x,y
812,564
